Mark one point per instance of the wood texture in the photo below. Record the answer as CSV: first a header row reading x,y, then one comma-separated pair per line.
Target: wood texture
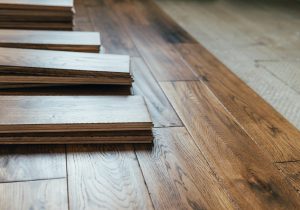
x,y
292,171
51,40
161,111
67,113
241,165
24,163
37,26
23,65
46,194
165,166
105,177
267,127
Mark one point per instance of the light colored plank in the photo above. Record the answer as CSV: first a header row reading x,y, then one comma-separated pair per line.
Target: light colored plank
x,y
37,4
105,177
46,194
177,174
246,172
51,40
21,163
73,113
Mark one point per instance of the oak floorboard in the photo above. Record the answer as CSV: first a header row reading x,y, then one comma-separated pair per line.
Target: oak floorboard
x,y
162,113
271,131
31,162
34,195
105,177
177,174
243,168
292,172
112,31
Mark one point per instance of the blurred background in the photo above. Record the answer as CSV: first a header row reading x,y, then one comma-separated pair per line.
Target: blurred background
x,y
258,40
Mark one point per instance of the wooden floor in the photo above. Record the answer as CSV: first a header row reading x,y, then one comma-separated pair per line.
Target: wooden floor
x,y
217,145
258,40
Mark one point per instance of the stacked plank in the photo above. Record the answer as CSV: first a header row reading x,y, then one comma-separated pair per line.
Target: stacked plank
x,y
51,40
21,67
37,14
68,119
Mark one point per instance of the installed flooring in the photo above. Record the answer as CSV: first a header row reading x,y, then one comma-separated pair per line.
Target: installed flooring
x,y
258,40
218,145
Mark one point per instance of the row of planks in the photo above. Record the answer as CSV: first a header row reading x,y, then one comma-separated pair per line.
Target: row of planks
x,y
217,144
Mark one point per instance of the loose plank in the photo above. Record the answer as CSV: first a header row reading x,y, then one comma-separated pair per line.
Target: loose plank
x,y
177,174
28,62
105,177
60,5
21,114
46,194
51,40
264,124
23,163
37,25
162,112
246,172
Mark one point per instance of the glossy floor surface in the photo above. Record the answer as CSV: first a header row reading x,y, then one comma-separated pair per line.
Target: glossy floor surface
x,y
218,145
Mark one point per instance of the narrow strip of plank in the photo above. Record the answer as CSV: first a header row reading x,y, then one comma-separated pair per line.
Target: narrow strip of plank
x,y
23,163
265,125
51,40
37,26
177,174
104,137
246,172
67,113
66,90
162,112
105,177
46,194
58,63
64,5
292,172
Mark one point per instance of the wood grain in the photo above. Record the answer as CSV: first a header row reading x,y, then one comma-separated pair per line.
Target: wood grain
x,y
28,62
177,174
46,194
162,112
23,163
105,177
37,26
292,172
67,113
112,31
51,40
267,127
246,172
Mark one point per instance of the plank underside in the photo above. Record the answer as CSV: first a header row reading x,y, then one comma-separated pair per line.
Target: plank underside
x,y
51,40
25,114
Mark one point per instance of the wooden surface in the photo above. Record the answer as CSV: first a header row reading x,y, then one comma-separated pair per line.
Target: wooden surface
x,y
247,38
205,154
23,65
26,114
51,40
